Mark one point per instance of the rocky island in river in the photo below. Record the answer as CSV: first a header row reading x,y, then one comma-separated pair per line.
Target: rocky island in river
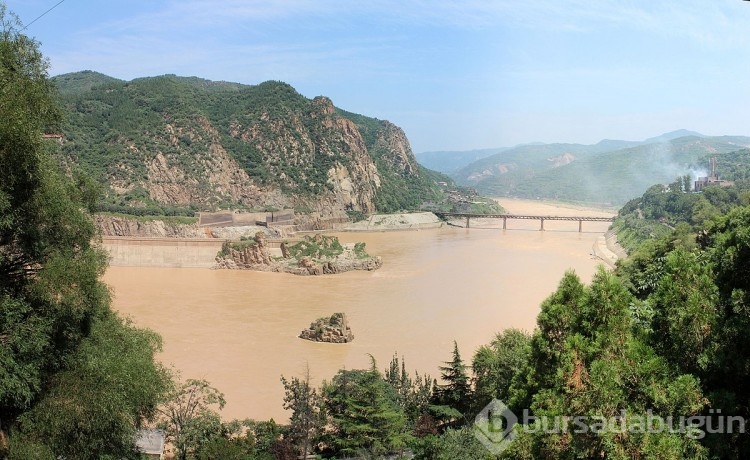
x,y
332,329
314,255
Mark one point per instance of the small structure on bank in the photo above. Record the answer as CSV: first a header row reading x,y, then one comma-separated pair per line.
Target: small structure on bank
x,y
150,443
713,179
332,329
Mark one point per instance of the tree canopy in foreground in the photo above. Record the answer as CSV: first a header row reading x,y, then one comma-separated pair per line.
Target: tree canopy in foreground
x,y
75,380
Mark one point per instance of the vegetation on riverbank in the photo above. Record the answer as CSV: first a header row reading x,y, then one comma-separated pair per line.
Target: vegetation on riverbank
x,y
664,207
75,379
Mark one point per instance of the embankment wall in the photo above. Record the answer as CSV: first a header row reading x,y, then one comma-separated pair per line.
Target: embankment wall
x,y
162,252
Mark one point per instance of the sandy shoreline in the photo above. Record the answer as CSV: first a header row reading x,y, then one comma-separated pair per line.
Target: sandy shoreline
x,y
521,206
604,248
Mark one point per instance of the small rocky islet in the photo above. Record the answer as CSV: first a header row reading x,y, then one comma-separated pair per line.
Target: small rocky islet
x,y
331,329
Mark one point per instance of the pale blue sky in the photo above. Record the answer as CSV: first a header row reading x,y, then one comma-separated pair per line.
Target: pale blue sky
x,y
456,75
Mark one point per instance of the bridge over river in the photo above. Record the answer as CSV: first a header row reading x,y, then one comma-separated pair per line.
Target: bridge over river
x,y
505,217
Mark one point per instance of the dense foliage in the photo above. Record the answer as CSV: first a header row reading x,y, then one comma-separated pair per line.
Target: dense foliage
x,y
75,380
663,337
663,207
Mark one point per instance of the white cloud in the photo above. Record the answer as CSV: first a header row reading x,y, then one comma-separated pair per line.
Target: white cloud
x,y
392,58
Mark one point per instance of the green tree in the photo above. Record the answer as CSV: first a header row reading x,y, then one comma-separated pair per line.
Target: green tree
x,y
107,390
363,413
414,393
587,361
452,444
728,246
455,393
57,332
191,418
308,417
685,311
496,365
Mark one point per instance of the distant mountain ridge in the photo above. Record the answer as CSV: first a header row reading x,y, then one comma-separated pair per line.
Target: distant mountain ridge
x,y
186,143
610,171
450,161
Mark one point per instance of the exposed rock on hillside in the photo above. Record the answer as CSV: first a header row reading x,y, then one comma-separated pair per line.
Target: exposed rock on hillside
x,y
334,329
397,152
561,160
183,143
122,226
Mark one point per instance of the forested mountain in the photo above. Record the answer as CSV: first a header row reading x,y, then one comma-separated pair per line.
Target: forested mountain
x,y
179,144
607,172
448,162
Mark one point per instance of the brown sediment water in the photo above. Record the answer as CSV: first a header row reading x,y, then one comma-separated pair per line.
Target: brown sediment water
x,y
238,329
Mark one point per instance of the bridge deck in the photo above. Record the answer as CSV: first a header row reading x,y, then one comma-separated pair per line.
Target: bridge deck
x,y
527,217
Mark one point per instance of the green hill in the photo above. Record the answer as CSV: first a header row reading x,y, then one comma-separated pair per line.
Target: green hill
x,y
173,145
449,162
607,172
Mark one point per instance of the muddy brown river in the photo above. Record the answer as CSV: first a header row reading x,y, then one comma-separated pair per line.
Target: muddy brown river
x,y
238,329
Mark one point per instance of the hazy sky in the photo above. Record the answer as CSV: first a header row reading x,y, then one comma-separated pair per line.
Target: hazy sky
x,y
456,75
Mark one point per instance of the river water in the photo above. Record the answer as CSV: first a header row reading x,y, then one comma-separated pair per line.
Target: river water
x,y
238,329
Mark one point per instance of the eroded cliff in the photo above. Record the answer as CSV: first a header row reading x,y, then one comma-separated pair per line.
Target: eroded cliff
x,y
178,144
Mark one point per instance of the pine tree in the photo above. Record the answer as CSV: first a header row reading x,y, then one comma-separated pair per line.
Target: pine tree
x,y
455,393
587,361
364,413
306,404
414,393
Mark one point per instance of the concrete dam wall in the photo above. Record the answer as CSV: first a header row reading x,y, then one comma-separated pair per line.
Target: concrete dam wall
x,y
162,252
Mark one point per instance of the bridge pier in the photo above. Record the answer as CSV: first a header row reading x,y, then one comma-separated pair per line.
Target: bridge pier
x,y
505,218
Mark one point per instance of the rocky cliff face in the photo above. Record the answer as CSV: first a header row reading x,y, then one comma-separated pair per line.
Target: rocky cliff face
x,y
175,142
396,150
324,152
120,226
181,176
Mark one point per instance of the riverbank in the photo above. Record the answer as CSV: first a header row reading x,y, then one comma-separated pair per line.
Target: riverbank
x,y
400,221
605,247
198,247
525,206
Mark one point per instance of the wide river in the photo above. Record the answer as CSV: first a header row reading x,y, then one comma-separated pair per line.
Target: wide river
x,y
238,329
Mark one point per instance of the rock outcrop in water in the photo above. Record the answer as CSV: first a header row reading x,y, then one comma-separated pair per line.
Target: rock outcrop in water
x,y
317,255
333,329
